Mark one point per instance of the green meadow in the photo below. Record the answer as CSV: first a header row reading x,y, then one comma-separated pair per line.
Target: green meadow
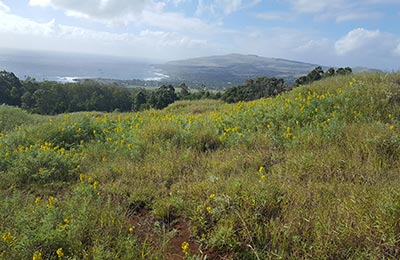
x,y
313,173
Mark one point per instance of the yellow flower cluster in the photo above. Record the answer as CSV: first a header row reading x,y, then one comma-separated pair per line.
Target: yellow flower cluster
x,y
50,202
89,179
262,171
60,253
37,256
7,237
185,248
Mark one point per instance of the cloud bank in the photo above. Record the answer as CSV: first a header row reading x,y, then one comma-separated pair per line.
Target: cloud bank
x,y
160,29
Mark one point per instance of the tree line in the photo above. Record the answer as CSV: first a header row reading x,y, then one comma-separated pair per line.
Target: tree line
x,y
51,97
318,74
269,87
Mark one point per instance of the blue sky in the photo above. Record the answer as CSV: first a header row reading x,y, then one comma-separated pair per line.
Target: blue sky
x,y
333,33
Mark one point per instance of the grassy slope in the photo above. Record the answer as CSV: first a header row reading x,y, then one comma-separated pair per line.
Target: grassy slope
x,y
311,174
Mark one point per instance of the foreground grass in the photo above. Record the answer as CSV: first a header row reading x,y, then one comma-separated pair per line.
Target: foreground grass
x,y
310,174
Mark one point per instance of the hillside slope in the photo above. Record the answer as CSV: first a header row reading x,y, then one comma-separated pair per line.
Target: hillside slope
x,y
232,69
310,174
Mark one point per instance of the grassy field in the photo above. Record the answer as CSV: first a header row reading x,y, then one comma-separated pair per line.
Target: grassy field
x,y
310,174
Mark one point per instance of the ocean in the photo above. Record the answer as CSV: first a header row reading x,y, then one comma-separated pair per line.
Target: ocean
x,y
65,67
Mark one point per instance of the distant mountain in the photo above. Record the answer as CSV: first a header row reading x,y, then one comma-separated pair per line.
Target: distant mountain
x,y
232,69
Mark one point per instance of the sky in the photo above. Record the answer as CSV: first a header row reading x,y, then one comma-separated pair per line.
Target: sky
x,y
332,33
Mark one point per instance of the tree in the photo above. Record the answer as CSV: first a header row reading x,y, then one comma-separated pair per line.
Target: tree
x,y
139,101
318,73
163,96
341,71
120,99
10,89
184,90
348,70
329,73
315,74
255,89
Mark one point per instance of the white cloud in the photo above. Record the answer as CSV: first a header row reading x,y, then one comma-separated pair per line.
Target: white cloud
x,y
157,33
19,32
223,7
40,2
4,7
141,13
283,43
178,2
372,48
96,9
351,16
359,47
340,10
176,22
275,16
365,41
229,6
317,6
397,50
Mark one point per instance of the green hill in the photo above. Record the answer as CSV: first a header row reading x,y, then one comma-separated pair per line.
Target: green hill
x,y
233,69
310,174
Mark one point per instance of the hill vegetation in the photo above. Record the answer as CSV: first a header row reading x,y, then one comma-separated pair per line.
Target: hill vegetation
x,y
50,98
224,71
312,173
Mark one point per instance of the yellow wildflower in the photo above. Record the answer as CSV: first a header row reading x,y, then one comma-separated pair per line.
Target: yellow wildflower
x,y
7,237
212,195
209,209
60,253
90,180
185,248
391,127
50,203
131,229
38,200
261,169
95,184
37,256
82,177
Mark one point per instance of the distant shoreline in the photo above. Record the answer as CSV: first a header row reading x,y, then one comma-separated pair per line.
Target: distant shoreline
x,y
69,68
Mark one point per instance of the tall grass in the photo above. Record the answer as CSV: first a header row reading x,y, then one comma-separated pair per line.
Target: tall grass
x,y
310,174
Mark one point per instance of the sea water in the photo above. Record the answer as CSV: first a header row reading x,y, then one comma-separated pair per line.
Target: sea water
x,y
66,67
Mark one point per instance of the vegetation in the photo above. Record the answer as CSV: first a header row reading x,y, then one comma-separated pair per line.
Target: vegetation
x,y
255,89
309,174
50,98
223,71
318,74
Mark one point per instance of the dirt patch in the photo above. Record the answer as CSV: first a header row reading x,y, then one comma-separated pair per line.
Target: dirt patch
x,y
147,229
143,225
174,251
